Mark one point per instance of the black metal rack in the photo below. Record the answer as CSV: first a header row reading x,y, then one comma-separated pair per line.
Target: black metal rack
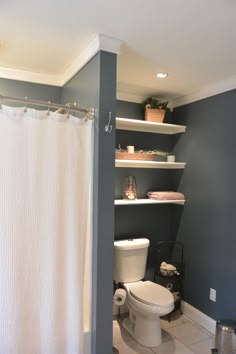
x,y
170,252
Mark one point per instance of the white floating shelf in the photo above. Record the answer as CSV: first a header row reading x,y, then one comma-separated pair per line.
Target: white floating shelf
x,y
147,201
148,127
149,164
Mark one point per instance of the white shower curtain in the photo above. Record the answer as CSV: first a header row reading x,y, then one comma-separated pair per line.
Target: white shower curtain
x,y
45,216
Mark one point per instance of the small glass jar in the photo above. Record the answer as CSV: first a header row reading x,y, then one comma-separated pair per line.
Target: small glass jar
x,y
130,191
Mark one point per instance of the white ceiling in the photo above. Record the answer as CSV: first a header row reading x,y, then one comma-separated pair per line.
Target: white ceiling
x,y
192,40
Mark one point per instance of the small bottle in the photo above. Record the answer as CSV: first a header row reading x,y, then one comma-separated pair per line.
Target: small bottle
x,y
130,191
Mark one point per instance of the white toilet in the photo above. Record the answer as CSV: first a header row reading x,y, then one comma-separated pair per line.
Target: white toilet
x,y
146,300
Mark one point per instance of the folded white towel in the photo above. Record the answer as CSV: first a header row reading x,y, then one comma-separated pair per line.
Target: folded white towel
x,y
166,195
167,266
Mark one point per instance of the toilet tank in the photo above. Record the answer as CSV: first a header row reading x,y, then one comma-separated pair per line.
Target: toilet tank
x,y
130,258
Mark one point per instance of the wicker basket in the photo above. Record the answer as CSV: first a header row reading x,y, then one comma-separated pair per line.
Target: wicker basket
x,y
155,115
139,156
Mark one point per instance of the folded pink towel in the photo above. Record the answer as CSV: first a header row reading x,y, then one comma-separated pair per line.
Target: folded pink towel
x,y
166,195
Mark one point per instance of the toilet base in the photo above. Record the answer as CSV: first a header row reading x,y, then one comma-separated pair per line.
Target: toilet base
x,y
146,331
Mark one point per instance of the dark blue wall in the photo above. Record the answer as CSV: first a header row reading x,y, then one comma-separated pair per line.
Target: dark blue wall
x,y
32,91
151,221
95,86
208,222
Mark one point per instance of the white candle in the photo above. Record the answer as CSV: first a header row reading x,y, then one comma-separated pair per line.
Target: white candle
x,y
130,149
171,158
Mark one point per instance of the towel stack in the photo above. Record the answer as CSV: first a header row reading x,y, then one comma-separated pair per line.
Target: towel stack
x,y
166,195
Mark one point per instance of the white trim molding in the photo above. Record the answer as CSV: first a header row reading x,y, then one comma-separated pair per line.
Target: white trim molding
x,y
211,90
129,96
29,76
100,42
109,44
199,317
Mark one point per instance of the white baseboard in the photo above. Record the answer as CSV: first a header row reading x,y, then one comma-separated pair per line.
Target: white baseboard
x,y
188,310
199,317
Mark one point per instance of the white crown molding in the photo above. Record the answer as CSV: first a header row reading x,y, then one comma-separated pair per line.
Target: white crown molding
x,y
130,97
209,91
212,90
136,98
109,44
199,317
100,42
28,76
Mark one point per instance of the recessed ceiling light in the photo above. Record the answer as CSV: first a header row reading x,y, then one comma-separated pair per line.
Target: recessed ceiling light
x,y
162,75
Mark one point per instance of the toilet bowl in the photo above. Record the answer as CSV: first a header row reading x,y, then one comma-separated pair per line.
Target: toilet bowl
x,y
146,302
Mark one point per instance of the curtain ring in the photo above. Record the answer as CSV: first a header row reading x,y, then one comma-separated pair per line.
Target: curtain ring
x,y
26,103
49,104
68,110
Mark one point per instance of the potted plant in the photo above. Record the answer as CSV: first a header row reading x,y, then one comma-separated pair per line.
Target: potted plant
x,y
155,110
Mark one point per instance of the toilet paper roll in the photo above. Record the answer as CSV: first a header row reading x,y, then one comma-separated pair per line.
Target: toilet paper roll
x,y
119,297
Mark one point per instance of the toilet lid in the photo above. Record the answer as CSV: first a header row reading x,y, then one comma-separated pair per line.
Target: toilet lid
x,y
152,294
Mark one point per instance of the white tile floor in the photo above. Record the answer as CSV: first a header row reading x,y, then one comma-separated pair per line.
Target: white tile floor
x,y
180,336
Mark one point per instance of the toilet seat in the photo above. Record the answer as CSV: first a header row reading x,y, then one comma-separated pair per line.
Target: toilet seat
x,y
147,302
151,293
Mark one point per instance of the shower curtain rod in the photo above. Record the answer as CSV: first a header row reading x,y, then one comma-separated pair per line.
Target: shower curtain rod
x,y
89,112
